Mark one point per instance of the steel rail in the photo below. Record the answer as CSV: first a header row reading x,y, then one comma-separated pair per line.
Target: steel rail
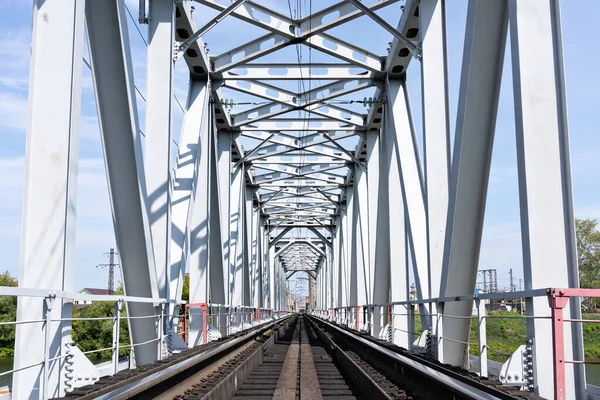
x,y
137,384
444,378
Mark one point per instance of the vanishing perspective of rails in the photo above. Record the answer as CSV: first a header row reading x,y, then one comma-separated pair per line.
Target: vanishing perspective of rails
x,y
298,209
297,357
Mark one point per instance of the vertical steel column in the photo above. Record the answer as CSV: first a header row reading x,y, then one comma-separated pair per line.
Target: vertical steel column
x,y
335,270
436,131
248,243
49,208
402,132
157,146
483,56
547,220
206,259
112,73
258,281
236,244
363,268
186,179
264,266
341,302
372,211
198,119
226,177
354,231
252,244
349,250
392,226
271,274
218,269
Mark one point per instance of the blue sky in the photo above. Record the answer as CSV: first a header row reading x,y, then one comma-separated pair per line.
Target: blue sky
x,y
501,248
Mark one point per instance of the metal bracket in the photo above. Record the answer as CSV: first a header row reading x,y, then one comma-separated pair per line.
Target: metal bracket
x,y
516,371
177,51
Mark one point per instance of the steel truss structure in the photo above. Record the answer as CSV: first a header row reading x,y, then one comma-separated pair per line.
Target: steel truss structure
x,y
301,177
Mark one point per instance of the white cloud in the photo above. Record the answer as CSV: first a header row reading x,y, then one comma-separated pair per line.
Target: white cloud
x,y
13,111
14,51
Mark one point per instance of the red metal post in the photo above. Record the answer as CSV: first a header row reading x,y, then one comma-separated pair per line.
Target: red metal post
x,y
558,300
358,317
184,324
204,308
333,314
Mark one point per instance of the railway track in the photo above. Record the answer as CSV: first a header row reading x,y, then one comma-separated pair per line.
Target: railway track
x,y
300,357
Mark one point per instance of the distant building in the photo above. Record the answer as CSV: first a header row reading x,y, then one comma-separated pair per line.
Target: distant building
x,y
92,291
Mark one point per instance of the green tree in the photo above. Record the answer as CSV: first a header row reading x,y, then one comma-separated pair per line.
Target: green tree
x,y
185,290
588,252
588,257
8,313
97,334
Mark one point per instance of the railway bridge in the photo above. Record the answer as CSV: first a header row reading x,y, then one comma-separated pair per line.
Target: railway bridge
x,y
297,155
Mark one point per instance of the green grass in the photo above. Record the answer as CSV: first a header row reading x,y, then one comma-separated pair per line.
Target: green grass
x,y
504,336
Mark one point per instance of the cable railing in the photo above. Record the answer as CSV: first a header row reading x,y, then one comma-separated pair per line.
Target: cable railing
x,y
400,322
222,319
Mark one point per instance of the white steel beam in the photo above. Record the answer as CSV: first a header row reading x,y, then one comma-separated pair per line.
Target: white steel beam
x,y
314,71
208,26
236,244
392,254
157,146
363,269
547,220
206,257
293,124
397,34
483,56
281,25
226,192
112,74
401,132
195,56
185,180
50,198
284,101
372,213
436,131
400,56
345,11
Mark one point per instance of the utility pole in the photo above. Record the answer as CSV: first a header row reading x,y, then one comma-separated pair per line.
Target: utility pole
x,y
521,297
111,269
511,280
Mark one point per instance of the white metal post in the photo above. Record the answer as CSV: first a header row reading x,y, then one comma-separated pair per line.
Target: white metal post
x,y
402,133
157,145
547,220
50,190
436,132
49,302
224,143
482,338
116,335
392,230
186,179
363,268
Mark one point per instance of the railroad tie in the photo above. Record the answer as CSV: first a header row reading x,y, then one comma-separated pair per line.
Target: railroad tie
x,y
309,383
288,379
